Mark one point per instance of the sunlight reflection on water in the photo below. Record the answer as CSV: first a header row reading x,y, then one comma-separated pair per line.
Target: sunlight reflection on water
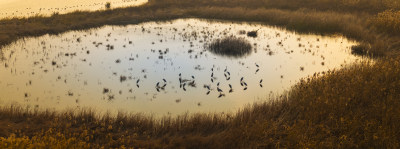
x,y
122,68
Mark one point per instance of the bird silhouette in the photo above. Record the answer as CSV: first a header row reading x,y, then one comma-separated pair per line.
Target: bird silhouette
x,y
137,83
220,95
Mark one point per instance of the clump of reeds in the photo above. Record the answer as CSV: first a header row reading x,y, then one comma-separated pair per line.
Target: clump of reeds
x,y
252,34
242,32
231,46
108,5
361,49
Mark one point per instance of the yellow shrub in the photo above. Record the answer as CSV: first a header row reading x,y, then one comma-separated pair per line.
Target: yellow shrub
x,y
49,140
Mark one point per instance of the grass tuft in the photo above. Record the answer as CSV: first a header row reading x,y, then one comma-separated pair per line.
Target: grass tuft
x,y
252,34
231,46
108,5
361,49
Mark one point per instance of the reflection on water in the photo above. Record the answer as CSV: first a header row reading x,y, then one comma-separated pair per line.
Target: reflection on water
x,y
161,68
25,8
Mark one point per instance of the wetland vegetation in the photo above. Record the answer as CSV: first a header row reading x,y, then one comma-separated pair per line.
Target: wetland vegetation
x,y
231,46
352,107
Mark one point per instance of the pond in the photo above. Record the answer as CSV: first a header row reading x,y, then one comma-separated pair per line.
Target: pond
x,y
163,68
26,8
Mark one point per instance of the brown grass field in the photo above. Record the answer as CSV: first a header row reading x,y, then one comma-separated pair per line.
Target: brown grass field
x,y
354,107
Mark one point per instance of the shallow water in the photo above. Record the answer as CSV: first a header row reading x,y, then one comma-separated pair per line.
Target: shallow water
x,y
100,68
26,8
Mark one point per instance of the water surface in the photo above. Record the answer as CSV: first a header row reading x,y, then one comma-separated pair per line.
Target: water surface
x,y
123,68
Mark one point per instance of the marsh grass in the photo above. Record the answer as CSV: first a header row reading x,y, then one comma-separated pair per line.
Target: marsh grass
x,y
253,34
361,49
353,6
387,21
108,5
231,46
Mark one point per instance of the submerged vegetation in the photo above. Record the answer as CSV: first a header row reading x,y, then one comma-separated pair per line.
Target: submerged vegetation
x,y
231,46
355,107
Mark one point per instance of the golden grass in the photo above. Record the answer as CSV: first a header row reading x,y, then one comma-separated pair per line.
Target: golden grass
x,y
388,21
354,6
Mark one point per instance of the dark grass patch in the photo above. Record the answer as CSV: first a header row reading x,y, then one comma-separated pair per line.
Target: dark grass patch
x,y
252,34
231,46
108,5
361,49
